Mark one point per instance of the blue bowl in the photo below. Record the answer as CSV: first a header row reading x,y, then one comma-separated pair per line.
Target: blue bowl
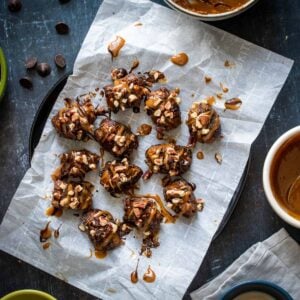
x,y
266,287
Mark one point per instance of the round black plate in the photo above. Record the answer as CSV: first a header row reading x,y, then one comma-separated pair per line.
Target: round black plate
x,y
41,118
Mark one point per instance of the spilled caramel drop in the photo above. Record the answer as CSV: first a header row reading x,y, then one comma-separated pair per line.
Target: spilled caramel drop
x,y
134,276
233,104
45,233
56,232
46,245
100,254
149,276
200,155
115,46
180,59
52,211
144,129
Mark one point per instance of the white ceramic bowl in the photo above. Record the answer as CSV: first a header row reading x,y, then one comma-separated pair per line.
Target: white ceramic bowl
x,y
212,17
266,177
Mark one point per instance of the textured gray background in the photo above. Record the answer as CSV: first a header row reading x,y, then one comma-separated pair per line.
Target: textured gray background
x,y
30,32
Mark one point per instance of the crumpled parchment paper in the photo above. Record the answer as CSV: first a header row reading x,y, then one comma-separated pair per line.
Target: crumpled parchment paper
x,y
256,77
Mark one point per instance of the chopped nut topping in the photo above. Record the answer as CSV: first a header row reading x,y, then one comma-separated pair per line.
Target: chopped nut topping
x,y
76,164
203,122
73,195
180,197
162,106
144,213
75,120
102,229
116,138
120,176
168,159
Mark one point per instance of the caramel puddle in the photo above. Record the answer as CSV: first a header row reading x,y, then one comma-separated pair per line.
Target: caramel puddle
x,y
100,254
115,46
180,59
149,276
233,104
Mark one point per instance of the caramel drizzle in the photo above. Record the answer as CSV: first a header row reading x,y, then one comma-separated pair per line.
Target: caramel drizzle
x,y
149,275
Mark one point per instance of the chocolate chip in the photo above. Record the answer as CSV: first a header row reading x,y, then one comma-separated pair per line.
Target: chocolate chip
x,y
30,63
64,1
60,61
14,5
62,28
43,69
26,82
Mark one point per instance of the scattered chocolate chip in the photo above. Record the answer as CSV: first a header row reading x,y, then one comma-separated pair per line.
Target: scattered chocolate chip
x,y
43,69
64,1
62,28
134,65
26,82
30,63
218,158
60,61
14,5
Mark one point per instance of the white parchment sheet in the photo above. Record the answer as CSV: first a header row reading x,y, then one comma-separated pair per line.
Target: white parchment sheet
x,y
256,78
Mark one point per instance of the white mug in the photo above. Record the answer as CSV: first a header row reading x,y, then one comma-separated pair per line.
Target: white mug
x,y
266,177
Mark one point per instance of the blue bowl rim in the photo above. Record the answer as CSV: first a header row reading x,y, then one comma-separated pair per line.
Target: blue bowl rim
x,y
262,283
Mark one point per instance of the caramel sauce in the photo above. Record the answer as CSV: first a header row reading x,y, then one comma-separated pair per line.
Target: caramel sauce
x,y
115,46
233,104
100,254
285,169
224,88
52,211
45,233
180,59
149,276
134,65
144,129
200,155
134,276
211,100
207,79
169,218
46,245
211,6
56,232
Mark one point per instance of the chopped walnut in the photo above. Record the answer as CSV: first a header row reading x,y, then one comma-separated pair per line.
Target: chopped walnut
x,y
75,120
163,107
119,176
143,213
116,138
73,195
180,197
103,230
168,159
203,122
76,164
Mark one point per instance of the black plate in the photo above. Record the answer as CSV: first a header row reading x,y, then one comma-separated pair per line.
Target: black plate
x,y
41,118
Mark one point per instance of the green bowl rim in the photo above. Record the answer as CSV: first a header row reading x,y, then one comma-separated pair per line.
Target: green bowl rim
x,y
4,74
27,292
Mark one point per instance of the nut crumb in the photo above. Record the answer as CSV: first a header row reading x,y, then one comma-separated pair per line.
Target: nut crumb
x,y
229,64
207,79
218,158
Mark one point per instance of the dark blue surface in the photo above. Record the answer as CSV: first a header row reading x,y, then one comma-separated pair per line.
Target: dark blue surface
x,y
270,24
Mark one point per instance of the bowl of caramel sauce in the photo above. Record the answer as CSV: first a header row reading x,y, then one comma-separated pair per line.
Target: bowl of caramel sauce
x,y
211,10
281,177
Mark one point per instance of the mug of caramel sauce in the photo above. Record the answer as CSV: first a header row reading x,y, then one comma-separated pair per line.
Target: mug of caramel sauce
x,y
281,177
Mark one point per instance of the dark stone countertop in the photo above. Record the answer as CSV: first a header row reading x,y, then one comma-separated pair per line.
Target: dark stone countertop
x,y
30,32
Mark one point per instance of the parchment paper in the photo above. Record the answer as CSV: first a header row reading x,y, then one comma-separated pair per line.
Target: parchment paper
x,y
256,78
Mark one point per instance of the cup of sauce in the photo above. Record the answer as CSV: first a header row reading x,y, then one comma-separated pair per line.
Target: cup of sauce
x,y
256,290
211,10
281,177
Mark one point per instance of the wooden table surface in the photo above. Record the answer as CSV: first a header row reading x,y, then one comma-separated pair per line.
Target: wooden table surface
x,y
30,32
